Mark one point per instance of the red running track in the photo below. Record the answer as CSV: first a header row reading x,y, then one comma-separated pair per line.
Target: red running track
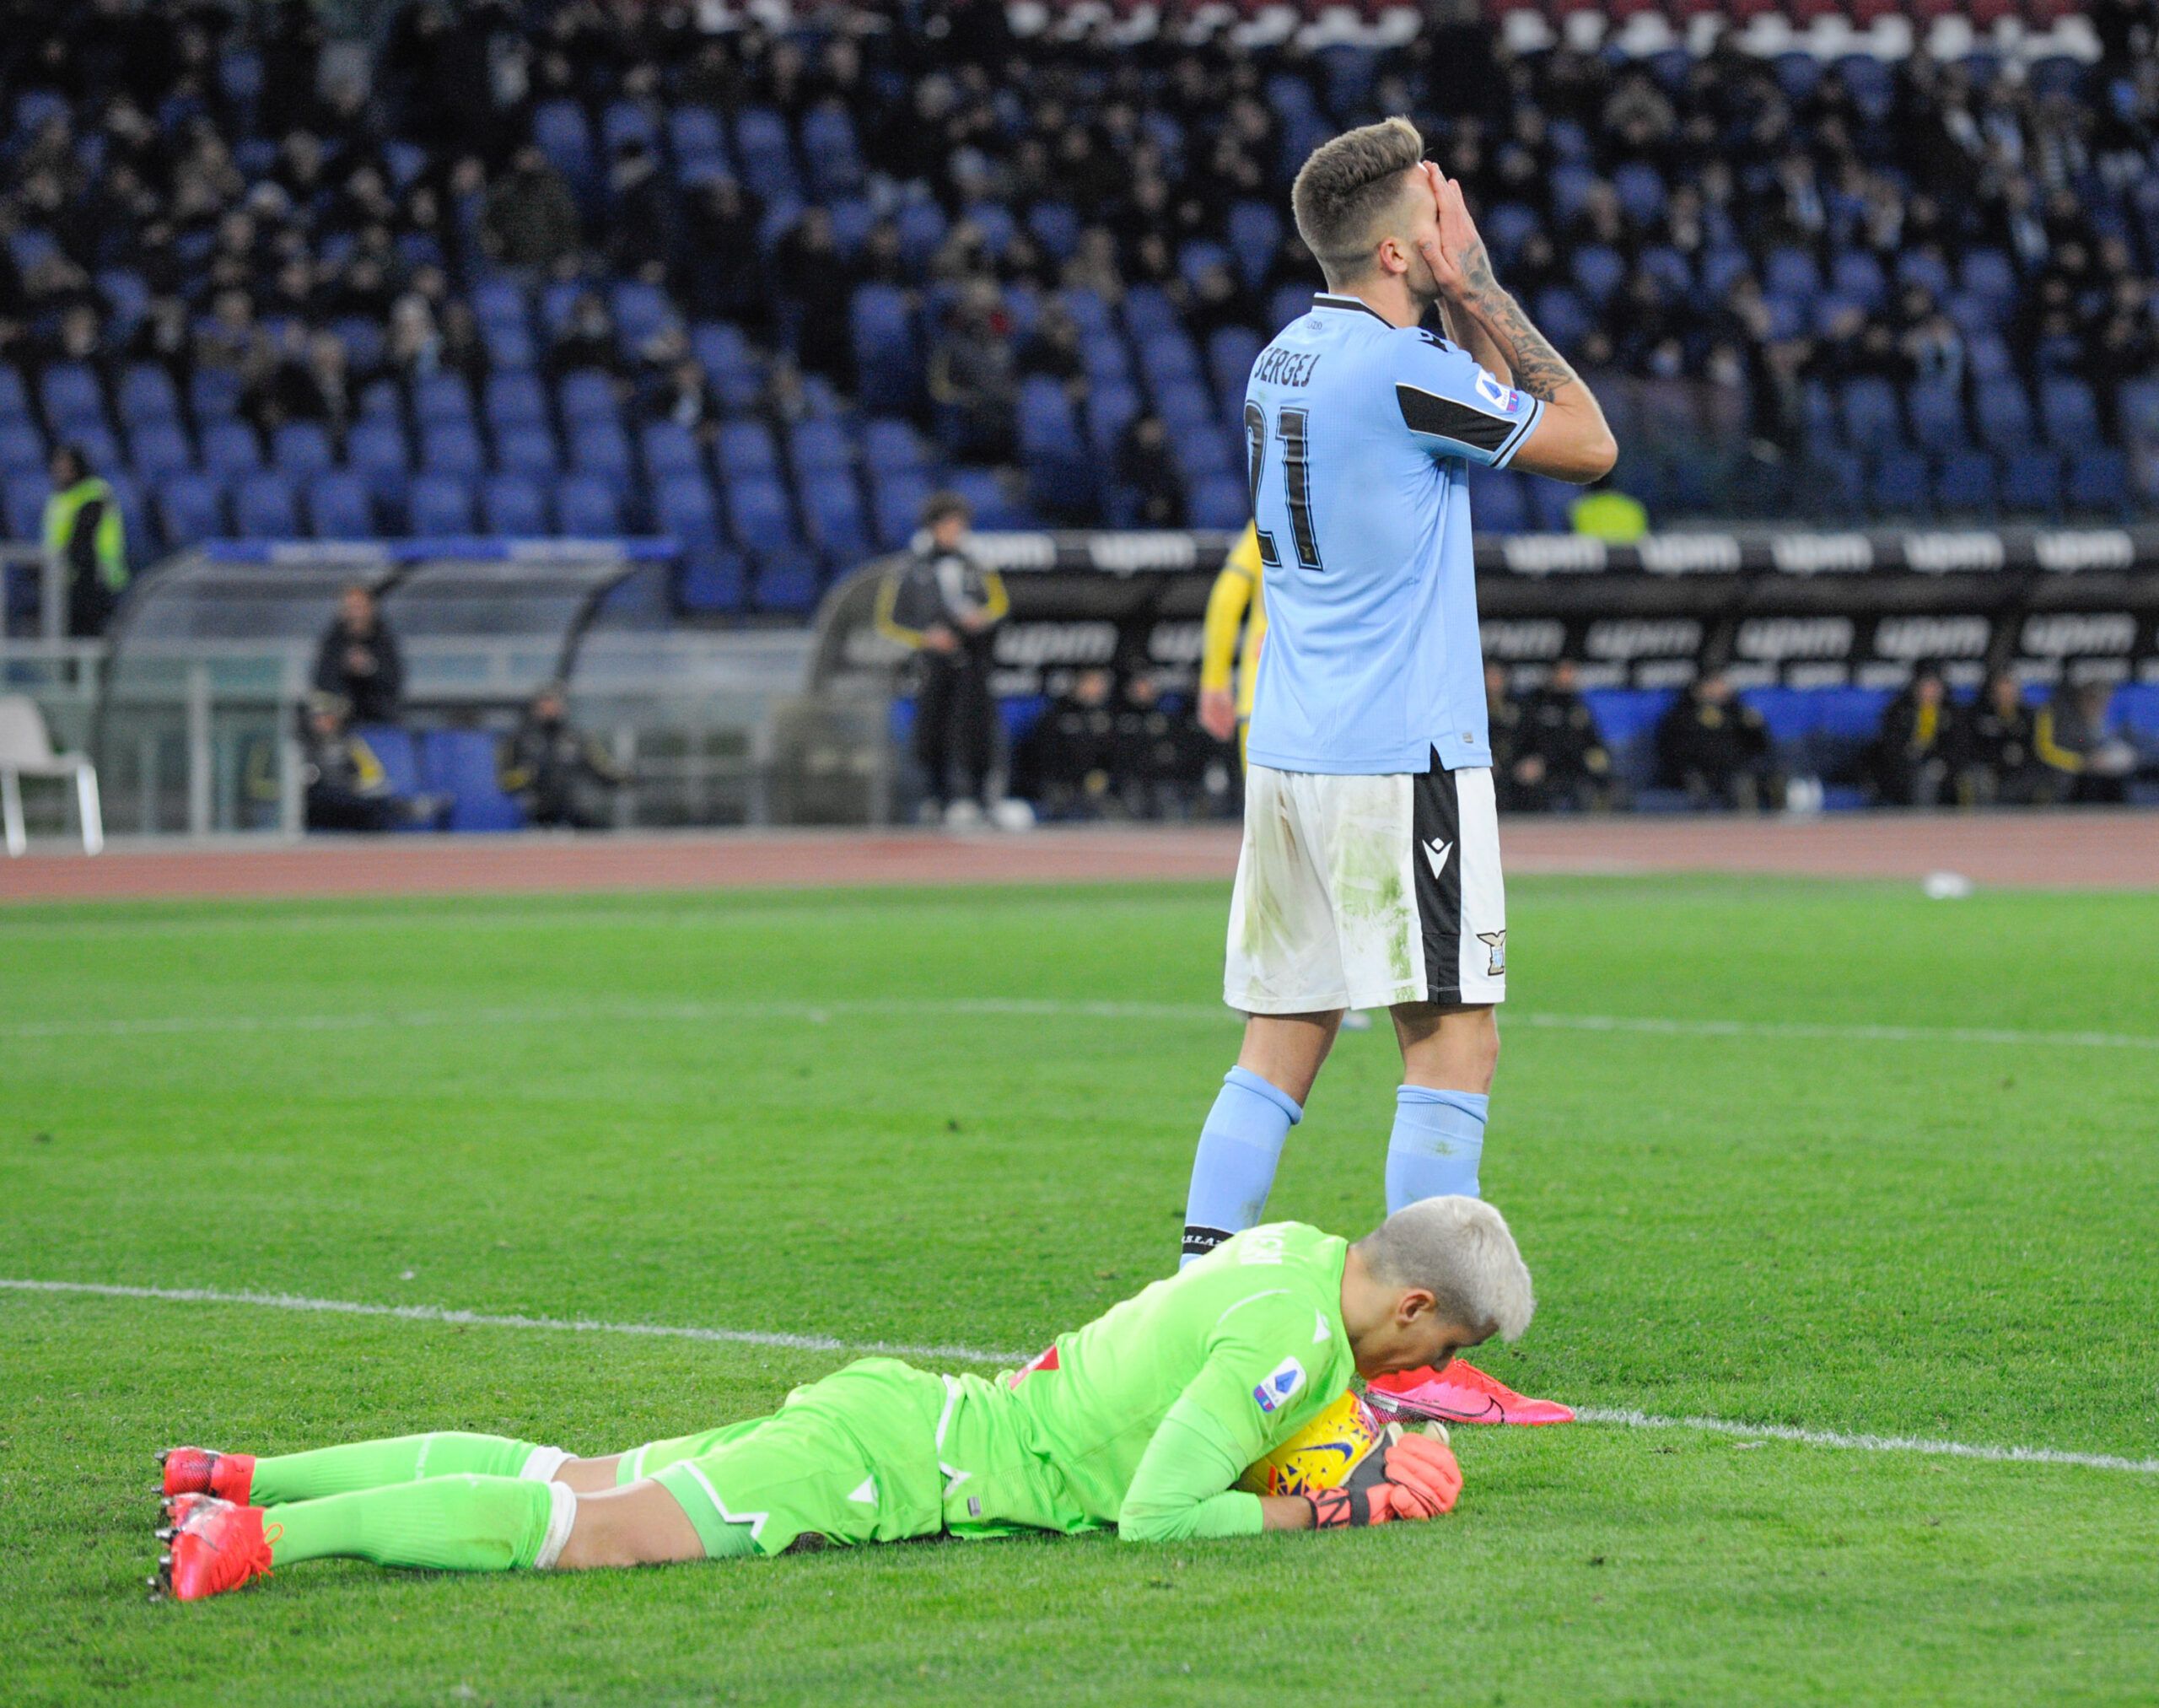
x,y
2084,850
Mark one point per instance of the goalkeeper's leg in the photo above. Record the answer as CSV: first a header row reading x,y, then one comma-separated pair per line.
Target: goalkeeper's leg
x,y
247,1481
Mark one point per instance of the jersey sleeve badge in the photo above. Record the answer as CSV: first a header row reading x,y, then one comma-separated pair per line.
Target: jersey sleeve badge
x,y
1281,1385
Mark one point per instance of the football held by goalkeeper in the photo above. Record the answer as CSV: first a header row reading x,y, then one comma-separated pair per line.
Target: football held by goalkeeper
x,y
1145,1421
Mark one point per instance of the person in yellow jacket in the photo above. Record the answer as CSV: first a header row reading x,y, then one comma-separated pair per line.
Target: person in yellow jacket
x,y
1237,602
84,534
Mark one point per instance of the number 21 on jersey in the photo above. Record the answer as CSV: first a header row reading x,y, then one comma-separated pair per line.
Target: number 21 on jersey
x,y
1290,428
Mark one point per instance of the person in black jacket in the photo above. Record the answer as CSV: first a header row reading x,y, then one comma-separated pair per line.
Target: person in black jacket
x,y
1559,742
1998,756
945,605
553,769
359,662
1716,748
1916,744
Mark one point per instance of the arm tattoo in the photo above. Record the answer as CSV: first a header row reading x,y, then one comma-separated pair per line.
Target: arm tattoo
x,y
1539,370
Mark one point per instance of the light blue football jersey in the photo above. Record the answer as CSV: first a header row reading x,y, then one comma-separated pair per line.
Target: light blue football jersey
x,y
1356,433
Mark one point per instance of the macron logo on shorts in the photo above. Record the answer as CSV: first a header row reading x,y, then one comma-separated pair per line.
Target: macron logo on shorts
x,y
1282,1381
1436,852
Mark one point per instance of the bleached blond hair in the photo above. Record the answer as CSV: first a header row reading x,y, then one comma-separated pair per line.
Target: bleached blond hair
x,y
1460,1251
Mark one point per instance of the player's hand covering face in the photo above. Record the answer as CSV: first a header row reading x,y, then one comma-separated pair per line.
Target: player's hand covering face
x,y
1453,249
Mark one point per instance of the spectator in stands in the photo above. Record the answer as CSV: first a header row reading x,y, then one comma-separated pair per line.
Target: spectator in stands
x,y
1052,350
717,271
84,534
1146,469
640,218
1917,743
819,286
532,218
1716,748
587,338
972,379
347,788
945,605
555,772
359,661
1558,731
1999,762
684,396
1502,716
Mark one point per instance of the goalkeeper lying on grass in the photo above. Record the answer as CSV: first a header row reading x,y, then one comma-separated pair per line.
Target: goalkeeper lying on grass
x,y
1144,1419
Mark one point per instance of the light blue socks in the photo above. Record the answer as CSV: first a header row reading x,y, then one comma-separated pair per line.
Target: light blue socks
x,y
1234,1169
1437,1139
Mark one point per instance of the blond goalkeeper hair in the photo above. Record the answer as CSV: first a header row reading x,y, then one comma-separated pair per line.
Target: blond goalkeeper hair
x,y
1345,187
1460,1251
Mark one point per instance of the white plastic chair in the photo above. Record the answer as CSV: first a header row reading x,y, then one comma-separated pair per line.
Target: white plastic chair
x,y
26,751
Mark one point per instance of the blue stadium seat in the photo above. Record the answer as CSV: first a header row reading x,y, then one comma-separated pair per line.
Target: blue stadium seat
x,y
442,397
264,508
588,507
159,446
1562,316
510,344
746,450
1857,275
1964,482
1055,225
1640,190
601,448
560,130
832,508
399,754
1600,271
72,396
789,582
2030,481
22,448
146,394
1551,505
1988,273
820,449
1925,268
1936,410
641,310
767,152
1900,486
587,395
515,400
1220,500
190,508
695,136
2138,401
1496,501
1791,272
338,507
893,446
213,395
1230,353
2071,414
375,450
2098,483
230,449
764,520
1871,418
1110,410
510,505
829,146
685,507
439,506
301,448
885,351
993,507
713,583
669,449
22,497
2004,414
15,396
921,225
626,122
451,448
531,451
462,764
897,500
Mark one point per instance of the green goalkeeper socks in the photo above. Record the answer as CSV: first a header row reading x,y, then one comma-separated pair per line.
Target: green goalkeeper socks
x,y
455,1523
407,1459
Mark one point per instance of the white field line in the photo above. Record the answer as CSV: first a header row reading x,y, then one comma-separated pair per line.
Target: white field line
x,y
968,1355
994,1007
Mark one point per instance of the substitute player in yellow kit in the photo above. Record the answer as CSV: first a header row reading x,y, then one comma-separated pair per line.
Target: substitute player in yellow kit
x,y
1237,602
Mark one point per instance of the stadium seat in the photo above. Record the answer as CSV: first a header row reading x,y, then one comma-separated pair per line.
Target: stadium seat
x,y
213,395
1900,486
191,508
587,395
1871,419
1964,483
884,349
2070,413
587,507
2004,415
685,507
897,500
463,764
510,505
531,451
1935,408
788,582
746,451
451,448
439,506
669,449
516,401
442,398
713,583
230,449
301,448
160,448
376,451
2030,481
146,394
819,450
2098,483
832,509
762,518
72,396
601,448
265,508
338,507
1496,501
22,449
766,152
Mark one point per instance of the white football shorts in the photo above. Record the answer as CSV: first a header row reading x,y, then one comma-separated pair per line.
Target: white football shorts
x,y
1365,891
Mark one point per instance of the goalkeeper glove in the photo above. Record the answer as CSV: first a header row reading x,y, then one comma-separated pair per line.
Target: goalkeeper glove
x,y
1408,1478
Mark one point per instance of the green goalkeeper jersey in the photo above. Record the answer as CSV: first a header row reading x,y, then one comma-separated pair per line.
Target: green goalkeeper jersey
x,y
1151,1412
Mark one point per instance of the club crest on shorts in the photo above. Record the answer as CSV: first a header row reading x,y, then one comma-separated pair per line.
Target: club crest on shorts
x,y
1282,1383
1496,942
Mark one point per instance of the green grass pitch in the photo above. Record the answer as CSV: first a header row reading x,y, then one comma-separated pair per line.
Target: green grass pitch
x,y
932,1117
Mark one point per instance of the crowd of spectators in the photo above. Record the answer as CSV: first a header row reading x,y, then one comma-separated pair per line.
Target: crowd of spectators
x,y
1756,253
